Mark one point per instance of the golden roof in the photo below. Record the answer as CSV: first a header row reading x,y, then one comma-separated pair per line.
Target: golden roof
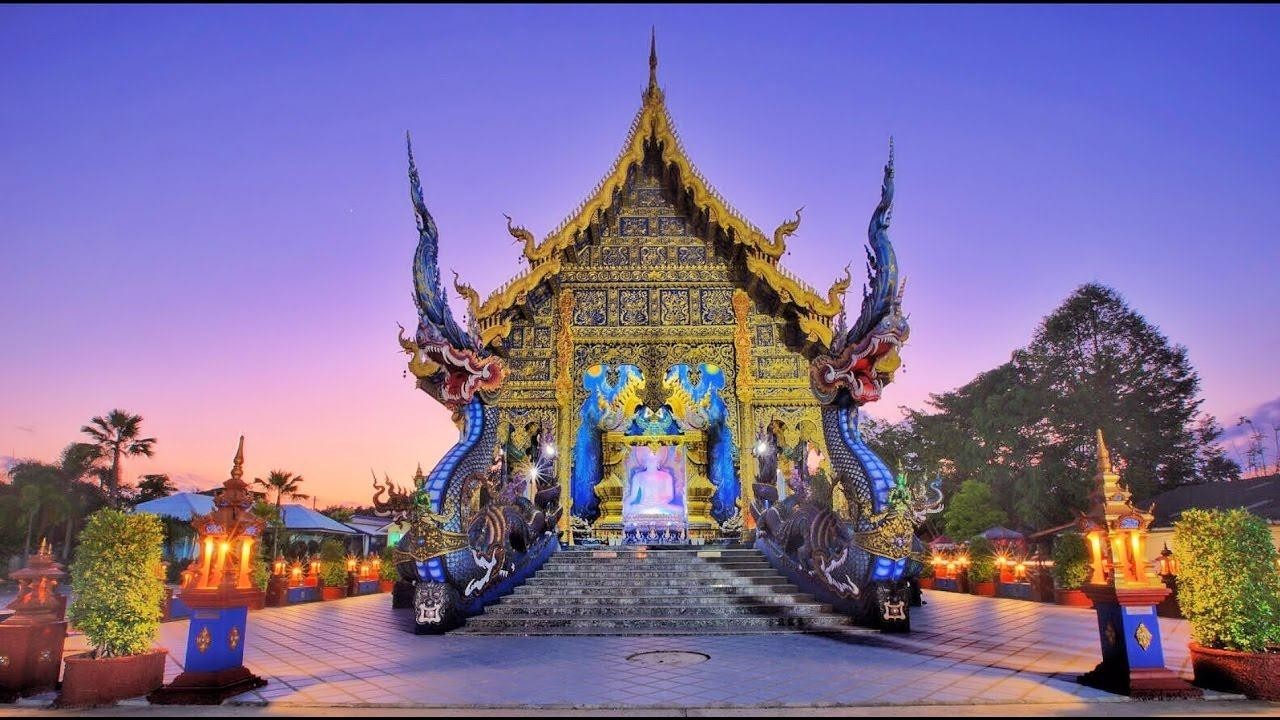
x,y
814,311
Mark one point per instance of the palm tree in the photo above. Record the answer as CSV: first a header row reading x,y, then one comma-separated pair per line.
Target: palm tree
x,y
283,483
151,487
116,436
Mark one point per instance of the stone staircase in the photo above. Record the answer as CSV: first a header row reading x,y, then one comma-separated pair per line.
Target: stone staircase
x,y
669,590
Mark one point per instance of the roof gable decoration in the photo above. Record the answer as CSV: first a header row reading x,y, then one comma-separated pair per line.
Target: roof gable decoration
x,y
653,123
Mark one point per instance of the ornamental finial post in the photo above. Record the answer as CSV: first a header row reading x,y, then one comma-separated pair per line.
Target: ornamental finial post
x,y
653,93
237,465
1104,455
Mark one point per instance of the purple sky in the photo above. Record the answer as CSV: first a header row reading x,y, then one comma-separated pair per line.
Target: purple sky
x,y
204,216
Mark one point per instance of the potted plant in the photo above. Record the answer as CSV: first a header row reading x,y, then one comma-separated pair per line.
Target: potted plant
x,y
1070,570
387,573
260,573
982,567
1230,591
117,588
926,576
333,570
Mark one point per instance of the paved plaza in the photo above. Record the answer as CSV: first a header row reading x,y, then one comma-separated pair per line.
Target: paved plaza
x,y
965,650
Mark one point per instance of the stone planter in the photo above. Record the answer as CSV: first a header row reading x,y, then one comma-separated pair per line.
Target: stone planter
x,y
386,585
89,681
332,593
1257,675
985,589
1071,598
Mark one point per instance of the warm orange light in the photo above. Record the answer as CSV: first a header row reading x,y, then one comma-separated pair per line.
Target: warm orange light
x,y
296,573
315,567
278,567
351,563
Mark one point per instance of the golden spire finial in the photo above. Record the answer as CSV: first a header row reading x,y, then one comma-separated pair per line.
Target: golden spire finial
x,y
653,92
237,465
1104,456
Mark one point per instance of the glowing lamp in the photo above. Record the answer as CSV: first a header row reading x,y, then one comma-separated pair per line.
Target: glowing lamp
x,y
549,450
314,568
351,563
226,537
277,568
1167,565
295,574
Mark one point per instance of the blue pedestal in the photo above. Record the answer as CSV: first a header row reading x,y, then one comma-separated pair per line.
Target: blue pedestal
x,y
1132,647
215,640
301,594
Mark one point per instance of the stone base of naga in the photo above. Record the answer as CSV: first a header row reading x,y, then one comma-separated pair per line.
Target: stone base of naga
x,y
655,376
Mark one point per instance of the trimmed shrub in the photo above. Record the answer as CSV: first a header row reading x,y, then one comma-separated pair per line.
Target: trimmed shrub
x,y
388,570
1228,586
116,582
982,560
333,563
1070,561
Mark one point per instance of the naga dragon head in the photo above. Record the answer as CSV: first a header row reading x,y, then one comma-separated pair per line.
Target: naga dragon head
x,y
864,358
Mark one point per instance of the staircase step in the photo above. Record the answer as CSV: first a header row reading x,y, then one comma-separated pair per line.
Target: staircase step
x,y
663,611
670,590
566,589
647,625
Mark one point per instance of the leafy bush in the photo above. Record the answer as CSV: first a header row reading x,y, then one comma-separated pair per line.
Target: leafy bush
x,y
1228,587
982,560
116,582
972,509
333,563
260,573
1070,561
926,570
388,570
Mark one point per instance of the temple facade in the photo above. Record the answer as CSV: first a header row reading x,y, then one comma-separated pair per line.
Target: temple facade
x,y
655,375
655,316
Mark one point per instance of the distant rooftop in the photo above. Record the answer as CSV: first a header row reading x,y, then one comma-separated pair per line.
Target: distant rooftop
x,y
1260,496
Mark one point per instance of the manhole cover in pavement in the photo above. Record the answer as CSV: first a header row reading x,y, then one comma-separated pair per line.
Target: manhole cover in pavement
x,y
672,658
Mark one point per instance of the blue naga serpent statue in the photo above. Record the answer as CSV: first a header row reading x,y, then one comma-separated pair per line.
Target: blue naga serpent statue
x,y
861,565
459,559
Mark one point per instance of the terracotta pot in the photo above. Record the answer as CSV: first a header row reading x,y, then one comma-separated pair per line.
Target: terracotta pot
x,y
985,589
89,681
926,583
386,585
1071,598
1257,675
332,593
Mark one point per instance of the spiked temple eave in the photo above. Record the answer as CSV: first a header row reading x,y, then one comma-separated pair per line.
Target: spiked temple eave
x,y
653,125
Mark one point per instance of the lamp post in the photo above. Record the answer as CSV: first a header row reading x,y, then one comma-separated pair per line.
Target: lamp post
x,y
1125,595
220,593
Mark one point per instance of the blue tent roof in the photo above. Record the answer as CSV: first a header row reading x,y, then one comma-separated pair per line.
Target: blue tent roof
x,y
300,518
1001,533
180,506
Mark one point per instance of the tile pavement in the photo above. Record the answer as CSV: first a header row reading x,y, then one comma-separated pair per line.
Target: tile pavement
x,y
964,650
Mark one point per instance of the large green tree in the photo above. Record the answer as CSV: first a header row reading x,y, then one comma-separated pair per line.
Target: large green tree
x,y
1026,428
1102,365
118,435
